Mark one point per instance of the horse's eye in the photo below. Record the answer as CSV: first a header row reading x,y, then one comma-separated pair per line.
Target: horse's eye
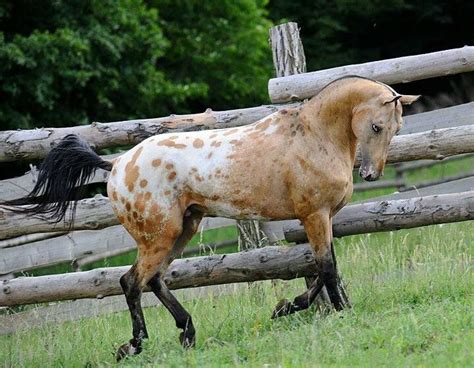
x,y
376,128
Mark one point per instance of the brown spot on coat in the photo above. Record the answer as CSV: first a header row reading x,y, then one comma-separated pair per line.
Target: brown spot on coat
x,y
156,162
216,144
263,125
131,170
198,143
209,155
232,131
172,175
169,166
170,143
143,183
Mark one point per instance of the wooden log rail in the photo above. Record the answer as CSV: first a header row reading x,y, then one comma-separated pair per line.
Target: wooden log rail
x,y
79,245
35,143
96,213
391,71
260,264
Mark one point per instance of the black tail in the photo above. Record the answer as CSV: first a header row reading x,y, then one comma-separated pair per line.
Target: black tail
x,y
66,168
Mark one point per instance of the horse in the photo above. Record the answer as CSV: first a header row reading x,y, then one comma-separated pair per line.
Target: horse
x,y
295,163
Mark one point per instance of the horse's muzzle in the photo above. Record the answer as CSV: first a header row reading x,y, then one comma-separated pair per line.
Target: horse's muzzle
x,y
368,173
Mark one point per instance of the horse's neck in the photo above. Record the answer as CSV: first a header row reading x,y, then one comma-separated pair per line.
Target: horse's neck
x,y
329,116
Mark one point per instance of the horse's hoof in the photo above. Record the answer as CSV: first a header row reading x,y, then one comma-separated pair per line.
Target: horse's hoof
x,y
127,349
187,340
283,308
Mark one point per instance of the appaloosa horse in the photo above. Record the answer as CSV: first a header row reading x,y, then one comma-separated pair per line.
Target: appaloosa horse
x,y
295,163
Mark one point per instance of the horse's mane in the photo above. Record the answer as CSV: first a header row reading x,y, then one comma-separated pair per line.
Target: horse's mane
x,y
357,77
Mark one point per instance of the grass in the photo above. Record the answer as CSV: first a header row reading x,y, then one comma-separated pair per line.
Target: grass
x,y
412,296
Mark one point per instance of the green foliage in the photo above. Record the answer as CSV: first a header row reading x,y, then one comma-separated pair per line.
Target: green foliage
x,y
69,62
222,46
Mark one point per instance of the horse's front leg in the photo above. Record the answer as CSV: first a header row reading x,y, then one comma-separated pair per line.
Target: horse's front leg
x,y
319,230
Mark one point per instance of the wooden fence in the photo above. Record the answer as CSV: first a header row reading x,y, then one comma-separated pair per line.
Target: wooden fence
x,y
434,135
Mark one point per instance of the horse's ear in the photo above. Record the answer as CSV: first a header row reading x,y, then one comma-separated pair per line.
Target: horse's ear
x,y
409,99
395,98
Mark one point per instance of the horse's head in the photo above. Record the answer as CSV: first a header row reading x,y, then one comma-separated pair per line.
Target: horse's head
x,y
374,123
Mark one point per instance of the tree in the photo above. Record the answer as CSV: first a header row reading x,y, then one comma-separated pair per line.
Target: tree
x,y
220,45
78,61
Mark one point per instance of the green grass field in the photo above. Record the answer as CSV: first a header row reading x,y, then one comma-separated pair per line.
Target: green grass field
x,y
412,295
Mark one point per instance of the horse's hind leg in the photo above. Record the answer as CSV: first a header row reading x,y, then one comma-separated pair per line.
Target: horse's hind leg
x,y
130,283
152,254
183,319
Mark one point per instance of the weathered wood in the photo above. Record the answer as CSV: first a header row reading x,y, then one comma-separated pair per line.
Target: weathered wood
x,y
36,143
447,179
435,144
260,264
422,164
389,183
201,249
457,186
449,117
394,215
28,238
74,247
287,50
92,214
96,213
391,71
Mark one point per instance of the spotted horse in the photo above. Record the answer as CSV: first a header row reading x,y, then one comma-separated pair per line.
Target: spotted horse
x,y
295,163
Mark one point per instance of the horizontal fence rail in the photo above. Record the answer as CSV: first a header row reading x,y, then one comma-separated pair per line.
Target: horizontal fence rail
x,y
261,264
36,143
77,245
391,71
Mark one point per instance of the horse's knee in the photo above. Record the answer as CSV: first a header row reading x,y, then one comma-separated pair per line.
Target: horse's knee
x,y
129,284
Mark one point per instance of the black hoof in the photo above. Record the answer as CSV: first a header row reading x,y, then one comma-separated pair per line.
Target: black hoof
x,y
127,349
283,308
187,340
